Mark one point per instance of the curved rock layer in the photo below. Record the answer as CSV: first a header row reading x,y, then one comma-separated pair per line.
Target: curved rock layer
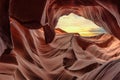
x,y
34,13
103,13
68,57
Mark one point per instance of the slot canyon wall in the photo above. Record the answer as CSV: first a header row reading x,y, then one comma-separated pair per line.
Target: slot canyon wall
x,y
38,13
29,53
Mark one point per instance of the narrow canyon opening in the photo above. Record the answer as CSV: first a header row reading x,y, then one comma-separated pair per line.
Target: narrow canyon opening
x,y
73,23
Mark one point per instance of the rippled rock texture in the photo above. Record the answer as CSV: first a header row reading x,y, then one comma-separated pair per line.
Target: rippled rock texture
x,y
67,56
